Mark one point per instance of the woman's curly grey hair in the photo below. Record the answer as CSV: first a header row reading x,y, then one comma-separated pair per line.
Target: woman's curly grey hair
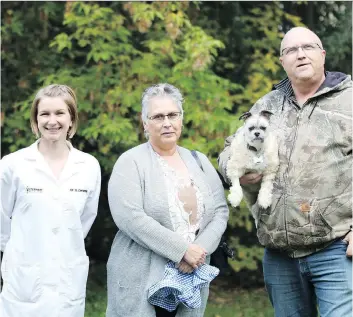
x,y
161,90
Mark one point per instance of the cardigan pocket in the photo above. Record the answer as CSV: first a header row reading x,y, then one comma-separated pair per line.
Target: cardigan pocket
x,y
128,298
129,285
129,269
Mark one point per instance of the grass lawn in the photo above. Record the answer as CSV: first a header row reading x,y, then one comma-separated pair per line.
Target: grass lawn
x,y
222,303
238,303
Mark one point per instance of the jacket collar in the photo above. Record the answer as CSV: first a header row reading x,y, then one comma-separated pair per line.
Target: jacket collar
x,y
285,86
332,81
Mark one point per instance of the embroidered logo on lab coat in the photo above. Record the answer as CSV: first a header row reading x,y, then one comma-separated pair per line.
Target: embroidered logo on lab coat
x,y
78,190
33,190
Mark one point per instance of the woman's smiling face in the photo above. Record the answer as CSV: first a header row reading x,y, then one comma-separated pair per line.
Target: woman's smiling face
x,y
53,118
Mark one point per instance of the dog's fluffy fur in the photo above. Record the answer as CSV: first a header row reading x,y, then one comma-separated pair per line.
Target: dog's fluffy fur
x,y
254,149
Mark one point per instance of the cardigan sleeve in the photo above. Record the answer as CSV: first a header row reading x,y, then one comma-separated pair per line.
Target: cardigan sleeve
x,y
211,235
125,197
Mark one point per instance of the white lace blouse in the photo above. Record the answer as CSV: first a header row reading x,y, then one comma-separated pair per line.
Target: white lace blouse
x,y
185,201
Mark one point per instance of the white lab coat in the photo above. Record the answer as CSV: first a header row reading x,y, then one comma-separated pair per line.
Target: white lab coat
x,y
43,225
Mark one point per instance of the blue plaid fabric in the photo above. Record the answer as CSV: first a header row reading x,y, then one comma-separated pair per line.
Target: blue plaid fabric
x,y
177,287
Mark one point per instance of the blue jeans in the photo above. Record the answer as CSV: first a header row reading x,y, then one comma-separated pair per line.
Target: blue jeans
x,y
298,287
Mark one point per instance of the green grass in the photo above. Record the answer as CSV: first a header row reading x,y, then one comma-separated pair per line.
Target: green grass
x,y
221,303
238,303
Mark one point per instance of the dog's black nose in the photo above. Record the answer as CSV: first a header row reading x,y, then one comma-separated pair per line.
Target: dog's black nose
x,y
257,134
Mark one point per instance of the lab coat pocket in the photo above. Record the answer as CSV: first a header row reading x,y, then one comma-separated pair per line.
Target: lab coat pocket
x,y
23,282
77,198
78,274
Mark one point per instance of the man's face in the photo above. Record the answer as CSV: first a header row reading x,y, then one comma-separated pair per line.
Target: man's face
x,y
302,56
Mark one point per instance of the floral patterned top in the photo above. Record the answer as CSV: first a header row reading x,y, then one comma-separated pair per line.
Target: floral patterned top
x,y
185,201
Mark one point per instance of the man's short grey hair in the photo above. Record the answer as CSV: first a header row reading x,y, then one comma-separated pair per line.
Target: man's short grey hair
x,y
161,90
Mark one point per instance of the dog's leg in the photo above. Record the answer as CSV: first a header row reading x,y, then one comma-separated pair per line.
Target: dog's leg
x,y
235,169
264,198
235,193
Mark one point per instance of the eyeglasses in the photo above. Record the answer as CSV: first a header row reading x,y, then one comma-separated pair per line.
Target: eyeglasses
x,y
159,118
305,47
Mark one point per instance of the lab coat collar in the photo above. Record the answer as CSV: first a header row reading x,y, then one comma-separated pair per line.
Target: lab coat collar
x,y
33,153
70,169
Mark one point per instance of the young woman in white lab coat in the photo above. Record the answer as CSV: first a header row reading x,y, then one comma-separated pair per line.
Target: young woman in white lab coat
x,y
49,200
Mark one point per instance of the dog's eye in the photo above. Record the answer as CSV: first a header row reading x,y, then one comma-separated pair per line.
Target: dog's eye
x,y
251,128
263,128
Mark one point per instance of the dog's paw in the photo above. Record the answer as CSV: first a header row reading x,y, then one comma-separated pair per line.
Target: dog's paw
x,y
235,199
264,200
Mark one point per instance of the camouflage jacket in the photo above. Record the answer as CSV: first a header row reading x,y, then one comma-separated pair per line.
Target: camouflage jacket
x,y
312,195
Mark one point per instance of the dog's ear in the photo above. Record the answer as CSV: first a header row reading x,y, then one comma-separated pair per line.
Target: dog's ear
x,y
245,116
267,114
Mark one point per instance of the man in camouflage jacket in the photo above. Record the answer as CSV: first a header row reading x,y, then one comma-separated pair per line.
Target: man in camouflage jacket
x,y
307,230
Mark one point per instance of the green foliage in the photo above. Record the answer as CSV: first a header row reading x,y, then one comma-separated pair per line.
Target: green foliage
x,y
335,31
252,35
125,49
248,253
96,295
223,56
26,29
332,22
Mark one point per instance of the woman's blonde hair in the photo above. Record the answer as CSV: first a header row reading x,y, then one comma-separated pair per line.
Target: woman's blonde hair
x,y
69,97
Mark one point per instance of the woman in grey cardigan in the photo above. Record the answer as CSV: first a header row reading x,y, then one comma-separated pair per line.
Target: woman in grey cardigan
x,y
166,209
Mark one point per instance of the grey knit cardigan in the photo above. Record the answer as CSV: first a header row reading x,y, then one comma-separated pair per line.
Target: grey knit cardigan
x,y
146,241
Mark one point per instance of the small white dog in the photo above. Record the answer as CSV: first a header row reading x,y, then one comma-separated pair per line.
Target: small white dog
x,y
254,149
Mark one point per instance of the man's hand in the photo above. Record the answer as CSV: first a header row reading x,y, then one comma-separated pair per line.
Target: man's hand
x,y
251,178
348,239
185,267
195,255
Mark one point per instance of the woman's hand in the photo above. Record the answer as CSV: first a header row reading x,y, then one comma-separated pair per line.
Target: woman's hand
x,y
185,267
251,178
195,255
